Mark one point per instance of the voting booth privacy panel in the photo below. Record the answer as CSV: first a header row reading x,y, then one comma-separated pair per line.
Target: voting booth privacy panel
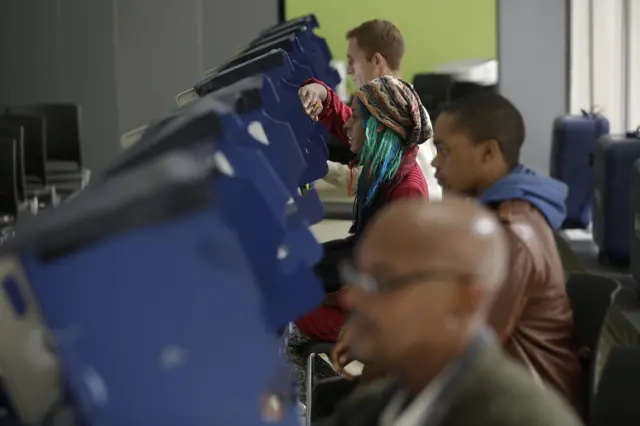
x,y
635,220
572,152
614,356
613,172
198,232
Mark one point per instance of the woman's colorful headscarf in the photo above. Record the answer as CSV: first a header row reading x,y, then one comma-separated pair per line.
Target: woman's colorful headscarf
x,y
396,105
395,122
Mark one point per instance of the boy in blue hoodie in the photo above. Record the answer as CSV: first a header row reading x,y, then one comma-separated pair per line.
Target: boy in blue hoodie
x,y
478,141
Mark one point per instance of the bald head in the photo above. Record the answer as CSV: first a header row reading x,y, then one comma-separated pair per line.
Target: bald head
x,y
454,234
436,268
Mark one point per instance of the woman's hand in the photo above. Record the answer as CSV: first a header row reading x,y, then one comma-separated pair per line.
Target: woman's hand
x,y
312,96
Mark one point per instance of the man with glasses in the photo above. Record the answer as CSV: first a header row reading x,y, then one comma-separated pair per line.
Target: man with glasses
x,y
420,291
478,141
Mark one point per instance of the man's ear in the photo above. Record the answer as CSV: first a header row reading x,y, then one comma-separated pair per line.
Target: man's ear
x,y
491,149
377,59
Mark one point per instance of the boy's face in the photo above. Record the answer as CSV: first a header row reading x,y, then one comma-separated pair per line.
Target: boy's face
x,y
458,162
361,68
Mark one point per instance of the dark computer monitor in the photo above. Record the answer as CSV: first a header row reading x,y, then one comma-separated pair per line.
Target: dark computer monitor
x,y
15,132
462,89
35,146
434,91
62,130
9,202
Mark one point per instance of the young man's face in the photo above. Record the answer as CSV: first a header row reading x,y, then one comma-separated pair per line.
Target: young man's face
x,y
458,162
360,67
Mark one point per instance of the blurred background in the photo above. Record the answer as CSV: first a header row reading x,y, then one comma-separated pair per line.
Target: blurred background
x,y
123,61
436,32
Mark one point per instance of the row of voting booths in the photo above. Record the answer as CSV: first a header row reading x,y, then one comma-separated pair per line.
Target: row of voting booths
x,y
161,293
600,247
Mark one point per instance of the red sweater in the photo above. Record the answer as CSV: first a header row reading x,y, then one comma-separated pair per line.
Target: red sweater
x,y
325,322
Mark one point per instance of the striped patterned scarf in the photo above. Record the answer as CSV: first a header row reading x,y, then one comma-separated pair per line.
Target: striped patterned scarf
x,y
396,105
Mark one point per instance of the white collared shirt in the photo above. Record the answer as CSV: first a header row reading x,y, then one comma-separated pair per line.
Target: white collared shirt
x,y
426,154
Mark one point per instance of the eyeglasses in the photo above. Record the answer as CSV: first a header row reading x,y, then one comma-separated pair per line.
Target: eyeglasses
x,y
350,275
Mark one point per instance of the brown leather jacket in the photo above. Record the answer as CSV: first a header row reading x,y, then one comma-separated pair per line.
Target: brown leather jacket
x,y
532,314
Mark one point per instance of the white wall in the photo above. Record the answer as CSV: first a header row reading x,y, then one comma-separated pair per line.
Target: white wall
x,y
162,47
533,52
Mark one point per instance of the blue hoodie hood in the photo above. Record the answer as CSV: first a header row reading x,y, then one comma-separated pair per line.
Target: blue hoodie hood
x,y
546,194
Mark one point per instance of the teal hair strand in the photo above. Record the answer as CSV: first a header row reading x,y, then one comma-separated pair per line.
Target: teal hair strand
x,y
380,158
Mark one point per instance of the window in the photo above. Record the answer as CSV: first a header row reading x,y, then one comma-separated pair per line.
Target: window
x,y
597,59
633,63
580,56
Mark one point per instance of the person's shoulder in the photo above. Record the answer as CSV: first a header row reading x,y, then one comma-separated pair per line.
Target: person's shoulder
x,y
520,215
412,185
526,228
506,395
529,236
523,397
372,390
363,404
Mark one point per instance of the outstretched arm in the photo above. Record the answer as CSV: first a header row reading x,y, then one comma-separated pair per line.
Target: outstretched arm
x,y
335,113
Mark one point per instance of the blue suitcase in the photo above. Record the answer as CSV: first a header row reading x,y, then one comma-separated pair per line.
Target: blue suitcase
x,y
635,232
613,173
573,144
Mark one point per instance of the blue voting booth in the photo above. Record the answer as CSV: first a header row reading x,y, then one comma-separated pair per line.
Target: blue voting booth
x,y
166,282
139,305
635,223
287,74
270,216
281,115
613,176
